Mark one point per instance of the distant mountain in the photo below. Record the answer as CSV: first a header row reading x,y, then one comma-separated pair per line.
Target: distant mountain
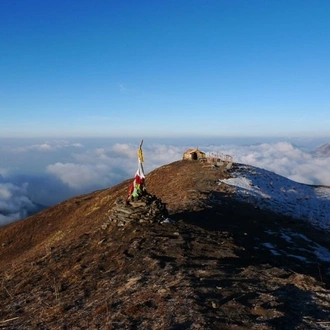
x,y
324,150
205,249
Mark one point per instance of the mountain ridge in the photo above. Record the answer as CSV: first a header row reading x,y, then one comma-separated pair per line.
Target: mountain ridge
x,y
324,150
220,263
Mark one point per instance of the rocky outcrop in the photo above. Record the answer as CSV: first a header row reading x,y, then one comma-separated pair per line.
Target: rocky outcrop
x,y
146,209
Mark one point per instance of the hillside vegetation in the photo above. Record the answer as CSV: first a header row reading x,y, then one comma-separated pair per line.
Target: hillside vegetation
x,y
219,261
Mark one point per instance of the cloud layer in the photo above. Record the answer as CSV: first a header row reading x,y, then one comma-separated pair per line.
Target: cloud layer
x,y
51,171
287,160
14,203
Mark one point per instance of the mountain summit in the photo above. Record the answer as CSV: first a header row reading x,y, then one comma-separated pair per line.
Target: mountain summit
x,y
205,248
323,150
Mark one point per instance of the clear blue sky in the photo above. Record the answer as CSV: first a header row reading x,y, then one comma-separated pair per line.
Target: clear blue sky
x,y
164,68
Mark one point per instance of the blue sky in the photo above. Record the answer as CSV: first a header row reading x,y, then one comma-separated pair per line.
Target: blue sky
x,y
164,68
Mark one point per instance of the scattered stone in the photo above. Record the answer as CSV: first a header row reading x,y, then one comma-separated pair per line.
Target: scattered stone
x,y
138,204
168,220
146,209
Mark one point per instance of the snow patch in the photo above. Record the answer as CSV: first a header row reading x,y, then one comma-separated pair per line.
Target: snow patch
x,y
273,192
320,252
271,248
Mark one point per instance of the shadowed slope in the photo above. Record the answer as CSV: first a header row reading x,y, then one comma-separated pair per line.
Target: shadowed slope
x,y
69,267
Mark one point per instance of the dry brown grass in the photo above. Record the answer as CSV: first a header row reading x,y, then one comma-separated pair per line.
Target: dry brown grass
x,y
60,270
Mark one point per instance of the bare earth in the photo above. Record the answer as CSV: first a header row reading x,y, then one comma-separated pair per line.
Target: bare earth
x,y
70,267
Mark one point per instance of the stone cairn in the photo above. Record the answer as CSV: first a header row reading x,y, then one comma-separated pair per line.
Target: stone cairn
x,y
146,208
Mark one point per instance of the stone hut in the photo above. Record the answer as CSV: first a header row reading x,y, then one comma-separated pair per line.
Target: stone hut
x,y
194,154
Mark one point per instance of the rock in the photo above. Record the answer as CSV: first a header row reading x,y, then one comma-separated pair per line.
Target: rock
x,y
124,210
147,209
138,204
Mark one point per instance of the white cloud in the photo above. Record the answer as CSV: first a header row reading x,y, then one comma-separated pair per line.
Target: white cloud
x,y
159,154
3,172
124,149
5,194
72,168
101,167
44,146
77,145
285,159
48,146
78,176
14,203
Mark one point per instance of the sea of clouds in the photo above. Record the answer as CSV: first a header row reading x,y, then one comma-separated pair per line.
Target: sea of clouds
x,y
36,173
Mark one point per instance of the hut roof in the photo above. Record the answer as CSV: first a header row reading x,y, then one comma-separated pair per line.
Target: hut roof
x,y
191,150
